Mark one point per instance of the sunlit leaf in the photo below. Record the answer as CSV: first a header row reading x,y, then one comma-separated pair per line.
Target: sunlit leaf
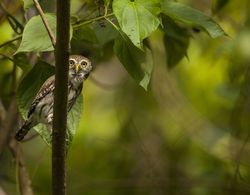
x,y
191,17
138,18
139,64
27,90
35,36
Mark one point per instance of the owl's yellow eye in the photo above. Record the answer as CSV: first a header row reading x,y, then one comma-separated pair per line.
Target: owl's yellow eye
x,y
84,63
71,62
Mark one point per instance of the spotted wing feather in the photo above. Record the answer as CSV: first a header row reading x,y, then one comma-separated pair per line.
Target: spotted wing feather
x,y
47,87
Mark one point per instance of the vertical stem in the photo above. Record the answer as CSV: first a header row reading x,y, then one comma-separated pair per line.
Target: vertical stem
x,y
60,98
45,22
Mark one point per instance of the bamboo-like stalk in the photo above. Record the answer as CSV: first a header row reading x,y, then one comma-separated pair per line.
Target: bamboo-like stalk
x,y
60,98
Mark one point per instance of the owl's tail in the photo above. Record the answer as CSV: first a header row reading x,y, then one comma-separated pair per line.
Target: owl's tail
x,y
24,130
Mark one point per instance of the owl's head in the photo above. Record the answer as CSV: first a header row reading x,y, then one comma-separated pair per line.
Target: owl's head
x,y
79,68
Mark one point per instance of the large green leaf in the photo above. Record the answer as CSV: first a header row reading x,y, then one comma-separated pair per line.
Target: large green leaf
x,y
192,17
139,64
138,18
27,90
35,36
176,40
104,34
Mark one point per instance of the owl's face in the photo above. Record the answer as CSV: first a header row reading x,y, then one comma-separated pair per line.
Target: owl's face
x,y
79,68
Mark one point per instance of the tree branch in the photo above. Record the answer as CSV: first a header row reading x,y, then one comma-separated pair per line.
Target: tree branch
x,y
9,122
60,98
81,23
23,176
45,22
11,40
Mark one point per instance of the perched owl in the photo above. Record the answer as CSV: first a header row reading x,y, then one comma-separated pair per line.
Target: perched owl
x,y
41,108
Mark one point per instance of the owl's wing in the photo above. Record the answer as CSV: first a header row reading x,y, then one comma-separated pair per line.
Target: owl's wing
x,y
47,87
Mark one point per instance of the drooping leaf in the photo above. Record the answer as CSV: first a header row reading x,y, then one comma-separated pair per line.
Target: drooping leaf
x,y
27,90
138,18
217,5
192,17
139,64
176,40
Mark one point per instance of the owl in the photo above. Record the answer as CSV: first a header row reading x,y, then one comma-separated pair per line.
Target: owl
x,y
41,108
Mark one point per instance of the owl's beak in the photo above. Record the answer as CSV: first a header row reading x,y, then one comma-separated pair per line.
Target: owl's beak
x,y
77,67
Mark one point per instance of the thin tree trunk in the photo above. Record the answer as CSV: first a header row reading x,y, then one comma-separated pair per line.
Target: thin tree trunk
x,y
60,98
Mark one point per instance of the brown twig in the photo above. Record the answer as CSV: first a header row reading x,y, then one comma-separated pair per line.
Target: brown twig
x,y
4,56
23,176
6,128
45,22
8,121
11,40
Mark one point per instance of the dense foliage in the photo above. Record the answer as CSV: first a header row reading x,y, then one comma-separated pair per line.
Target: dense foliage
x,y
154,128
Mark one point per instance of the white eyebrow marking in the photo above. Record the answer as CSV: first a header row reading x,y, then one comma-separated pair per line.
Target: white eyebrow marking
x,y
83,61
72,59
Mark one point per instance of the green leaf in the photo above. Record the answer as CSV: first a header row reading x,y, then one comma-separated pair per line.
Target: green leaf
x,y
22,61
74,117
176,40
27,90
104,34
138,18
192,17
85,33
35,36
139,64
27,4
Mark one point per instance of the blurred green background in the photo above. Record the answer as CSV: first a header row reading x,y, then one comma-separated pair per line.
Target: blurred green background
x,y
188,134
